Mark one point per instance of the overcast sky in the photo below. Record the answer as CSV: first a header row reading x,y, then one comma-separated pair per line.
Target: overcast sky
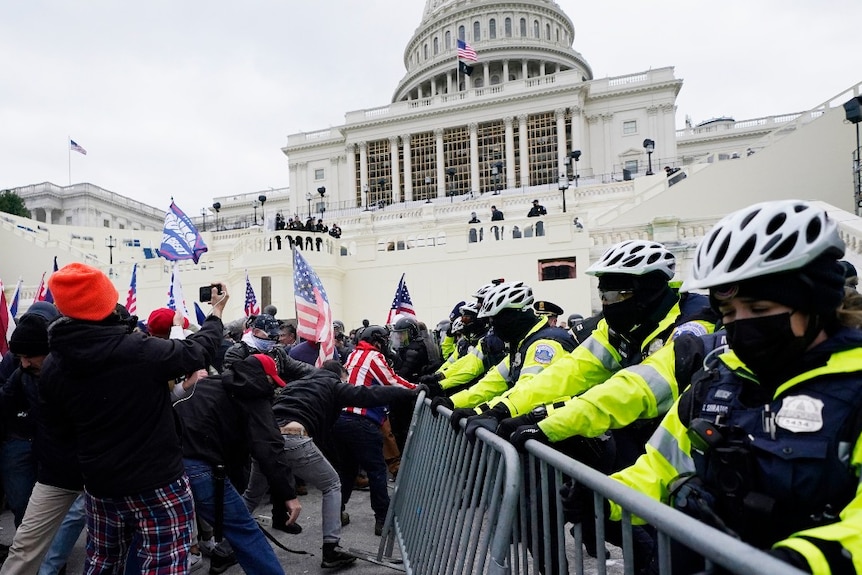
x,y
194,99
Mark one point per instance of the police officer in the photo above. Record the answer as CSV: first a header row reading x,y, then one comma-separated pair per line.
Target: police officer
x,y
550,310
780,413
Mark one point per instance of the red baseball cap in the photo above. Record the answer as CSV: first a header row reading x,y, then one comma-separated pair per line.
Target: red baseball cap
x,y
269,368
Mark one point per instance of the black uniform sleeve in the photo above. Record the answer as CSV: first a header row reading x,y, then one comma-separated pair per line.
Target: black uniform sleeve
x,y
267,447
372,396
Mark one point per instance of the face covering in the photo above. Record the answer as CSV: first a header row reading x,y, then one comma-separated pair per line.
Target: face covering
x,y
623,316
262,344
767,345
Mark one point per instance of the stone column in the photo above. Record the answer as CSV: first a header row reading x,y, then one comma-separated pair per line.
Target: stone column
x,y
449,82
350,177
395,169
441,165
562,152
542,68
524,69
608,144
433,86
510,152
487,74
524,150
668,132
363,168
474,157
505,70
408,168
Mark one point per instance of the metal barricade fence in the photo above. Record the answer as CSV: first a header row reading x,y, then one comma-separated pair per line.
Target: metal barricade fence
x,y
463,508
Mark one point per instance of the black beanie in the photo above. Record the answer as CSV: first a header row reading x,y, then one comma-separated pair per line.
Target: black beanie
x,y
30,337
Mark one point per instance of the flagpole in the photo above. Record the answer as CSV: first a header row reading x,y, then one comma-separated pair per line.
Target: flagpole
x,y
69,151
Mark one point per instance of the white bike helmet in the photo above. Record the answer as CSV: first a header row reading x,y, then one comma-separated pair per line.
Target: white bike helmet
x,y
457,325
635,257
512,295
763,239
482,292
472,308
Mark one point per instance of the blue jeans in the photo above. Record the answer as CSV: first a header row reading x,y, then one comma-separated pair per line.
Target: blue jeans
x,y
359,444
18,472
65,539
252,550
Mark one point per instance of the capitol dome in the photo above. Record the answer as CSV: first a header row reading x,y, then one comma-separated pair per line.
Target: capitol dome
x,y
514,40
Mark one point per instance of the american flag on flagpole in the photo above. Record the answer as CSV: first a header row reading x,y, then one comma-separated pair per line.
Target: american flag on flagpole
x,y
251,307
401,303
132,298
40,291
466,52
73,145
313,314
176,299
49,297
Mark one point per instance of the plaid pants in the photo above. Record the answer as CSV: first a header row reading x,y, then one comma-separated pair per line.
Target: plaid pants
x,y
160,520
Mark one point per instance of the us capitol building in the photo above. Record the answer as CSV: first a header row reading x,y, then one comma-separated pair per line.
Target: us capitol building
x,y
531,122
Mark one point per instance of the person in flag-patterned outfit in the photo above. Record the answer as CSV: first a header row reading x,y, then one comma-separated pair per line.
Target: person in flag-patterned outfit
x,y
356,434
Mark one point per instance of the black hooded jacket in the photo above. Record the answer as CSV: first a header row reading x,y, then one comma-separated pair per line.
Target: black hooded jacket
x,y
316,400
229,417
107,388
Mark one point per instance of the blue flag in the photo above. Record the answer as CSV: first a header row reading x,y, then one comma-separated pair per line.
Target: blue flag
x,y
199,313
49,297
180,238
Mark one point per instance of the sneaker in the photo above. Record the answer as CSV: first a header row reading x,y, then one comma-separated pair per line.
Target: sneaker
x,y
207,546
345,518
293,528
220,563
378,527
195,560
334,557
361,483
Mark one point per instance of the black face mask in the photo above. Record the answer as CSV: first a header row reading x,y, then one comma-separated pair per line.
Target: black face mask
x,y
767,345
623,316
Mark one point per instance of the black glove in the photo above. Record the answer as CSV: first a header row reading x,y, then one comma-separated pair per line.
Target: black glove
x,y
420,388
438,401
520,436
431,378
509,425
458,415
488,420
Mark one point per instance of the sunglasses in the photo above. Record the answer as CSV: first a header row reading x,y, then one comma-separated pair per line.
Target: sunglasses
x,y
612,296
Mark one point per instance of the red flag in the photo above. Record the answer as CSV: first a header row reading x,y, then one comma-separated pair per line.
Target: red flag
x,y
4,322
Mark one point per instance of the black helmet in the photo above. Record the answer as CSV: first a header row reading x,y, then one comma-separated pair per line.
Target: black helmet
x,y
268,324
573,319
404,331
375,335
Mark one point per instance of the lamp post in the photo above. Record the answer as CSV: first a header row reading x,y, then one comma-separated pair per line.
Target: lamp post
x,y
563,184
262,199
853,114
110,243
576,156
204,215
365,193
254,205
497,173
427,189
381,186
216,207
308,199
649,146
450,172
322,205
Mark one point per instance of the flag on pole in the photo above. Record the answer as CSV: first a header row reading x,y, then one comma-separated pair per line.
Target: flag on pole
x,y
251,307
401,303
465,69
466,52
13,308
314,316
132,298
180,238
199,313
176,300
5,322
49,297
73,145
40,291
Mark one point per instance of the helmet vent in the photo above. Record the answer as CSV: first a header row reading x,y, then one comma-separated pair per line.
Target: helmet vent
x,y
775,223
616,259
784,248
743,254
813,230
722,250
748,219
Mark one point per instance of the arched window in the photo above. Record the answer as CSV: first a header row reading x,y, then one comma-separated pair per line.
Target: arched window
x,y
547,32
425,51
479,82
536,29
448,41
558,35
492,29
436,45
495,79
461,33
523,27
476,32
508,26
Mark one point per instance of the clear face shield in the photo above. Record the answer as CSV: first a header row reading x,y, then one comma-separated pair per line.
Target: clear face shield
x,y
399,339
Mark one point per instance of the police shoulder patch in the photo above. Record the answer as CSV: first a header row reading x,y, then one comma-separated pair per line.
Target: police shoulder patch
x,y
695,328
544,353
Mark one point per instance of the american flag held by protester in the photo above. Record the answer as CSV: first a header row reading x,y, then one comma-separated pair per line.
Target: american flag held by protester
x,y
401,303
314,316
251,307
176,299
132,298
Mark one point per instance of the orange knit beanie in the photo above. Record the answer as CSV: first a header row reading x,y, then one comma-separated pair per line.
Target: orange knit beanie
x,y
83,292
